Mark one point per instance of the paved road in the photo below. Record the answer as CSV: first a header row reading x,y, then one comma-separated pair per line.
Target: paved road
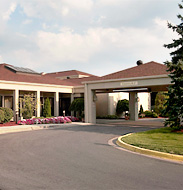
x,y
79,158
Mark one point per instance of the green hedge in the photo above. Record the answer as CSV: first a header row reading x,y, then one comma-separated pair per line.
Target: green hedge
x,y
8,114
108,117
150,114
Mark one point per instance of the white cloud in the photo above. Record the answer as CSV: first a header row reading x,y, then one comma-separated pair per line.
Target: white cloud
x,y
11,9
70,46
6,9
1,59
51,9
65,11
27,21
85,5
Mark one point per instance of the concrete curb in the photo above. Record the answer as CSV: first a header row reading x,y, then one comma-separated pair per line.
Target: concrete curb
x,y
148,152
22,128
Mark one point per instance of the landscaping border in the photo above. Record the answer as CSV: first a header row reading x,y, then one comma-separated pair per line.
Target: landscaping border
x,y
148,152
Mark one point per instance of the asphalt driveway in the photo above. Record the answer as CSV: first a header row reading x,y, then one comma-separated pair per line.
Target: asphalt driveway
x,y
78,157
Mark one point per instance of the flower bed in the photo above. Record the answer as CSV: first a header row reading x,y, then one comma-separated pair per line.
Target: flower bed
x,y
73,119
54,120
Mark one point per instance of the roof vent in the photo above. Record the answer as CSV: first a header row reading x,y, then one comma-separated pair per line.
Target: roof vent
x,y
139,62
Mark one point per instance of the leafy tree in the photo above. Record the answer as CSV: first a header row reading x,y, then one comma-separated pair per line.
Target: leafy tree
x,y
174,104
122,105
47,108
29,105
77,105
160,100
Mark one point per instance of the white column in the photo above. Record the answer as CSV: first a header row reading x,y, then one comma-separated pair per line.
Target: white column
x,y
16,102
133,106
149,101
3,101
38,103
90,105
72,99
56,104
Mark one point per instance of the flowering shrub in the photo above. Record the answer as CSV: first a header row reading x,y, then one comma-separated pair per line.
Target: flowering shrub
x,y
55,120
73,119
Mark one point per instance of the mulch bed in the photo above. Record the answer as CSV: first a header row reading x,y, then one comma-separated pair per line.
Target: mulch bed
x,y
178,131
12,123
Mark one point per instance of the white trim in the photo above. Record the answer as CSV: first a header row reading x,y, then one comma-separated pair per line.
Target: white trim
x,y
125,79
35,84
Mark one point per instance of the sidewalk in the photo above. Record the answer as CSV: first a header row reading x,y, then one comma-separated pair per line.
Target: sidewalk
x,y
140,122
21,128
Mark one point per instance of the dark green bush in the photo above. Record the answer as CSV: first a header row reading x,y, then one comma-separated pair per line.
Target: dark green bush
x,y
8,114
150,114
108,117
47,108
154,115
2,116
77,105
122,105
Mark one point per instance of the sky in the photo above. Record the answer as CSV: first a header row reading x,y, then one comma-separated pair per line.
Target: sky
x,y
94,36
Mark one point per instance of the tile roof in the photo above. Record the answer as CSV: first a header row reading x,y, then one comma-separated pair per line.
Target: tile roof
x,y
78,81
68,73
8,75
147,69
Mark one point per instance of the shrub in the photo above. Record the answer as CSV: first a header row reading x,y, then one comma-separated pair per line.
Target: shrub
x,y
160,101
47,108
122,105
2,116
154,115
108,117
78,106
29,105
8,114
150,114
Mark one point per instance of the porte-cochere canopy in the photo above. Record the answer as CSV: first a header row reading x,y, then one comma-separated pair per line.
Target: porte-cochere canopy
x,y
150,77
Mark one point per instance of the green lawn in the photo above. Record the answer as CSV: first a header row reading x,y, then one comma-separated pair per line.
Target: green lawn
x,y
163,140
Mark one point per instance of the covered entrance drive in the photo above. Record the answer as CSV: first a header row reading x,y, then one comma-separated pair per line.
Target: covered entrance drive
x,y
149,77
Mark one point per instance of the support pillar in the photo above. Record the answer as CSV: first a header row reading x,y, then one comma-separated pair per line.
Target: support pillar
x,y
90,105
133,106
72,99
16,104
56,104
38,103
3,101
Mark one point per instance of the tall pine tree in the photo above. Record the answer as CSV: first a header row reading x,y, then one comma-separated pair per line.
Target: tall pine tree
x,y
174,103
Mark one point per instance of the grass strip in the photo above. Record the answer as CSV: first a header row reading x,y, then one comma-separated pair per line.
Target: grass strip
x,y
163,140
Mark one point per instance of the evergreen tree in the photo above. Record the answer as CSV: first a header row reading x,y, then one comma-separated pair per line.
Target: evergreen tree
x,y
174,104
47,108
